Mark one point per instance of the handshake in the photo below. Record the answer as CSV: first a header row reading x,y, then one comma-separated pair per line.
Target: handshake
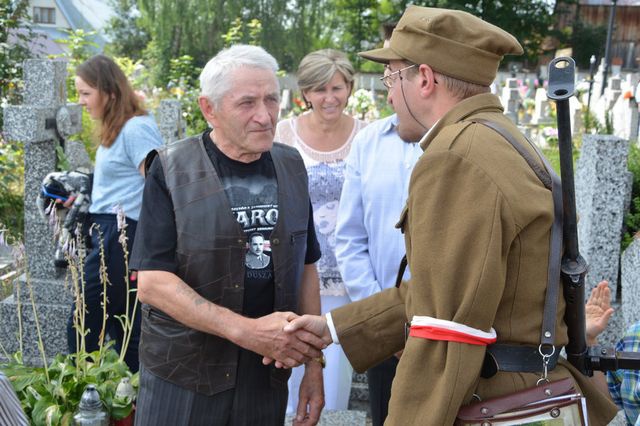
x,y
287,339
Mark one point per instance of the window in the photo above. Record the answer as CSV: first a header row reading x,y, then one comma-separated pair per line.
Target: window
x,y
44,15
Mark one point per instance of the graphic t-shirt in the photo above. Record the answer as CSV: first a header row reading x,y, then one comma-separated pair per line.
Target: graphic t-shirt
x,y
252,190
253,195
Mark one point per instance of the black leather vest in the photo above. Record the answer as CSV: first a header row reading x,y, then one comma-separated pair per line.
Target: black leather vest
x,y
211,249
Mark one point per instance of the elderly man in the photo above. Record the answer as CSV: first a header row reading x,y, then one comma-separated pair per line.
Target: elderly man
x,y
207,319
477,227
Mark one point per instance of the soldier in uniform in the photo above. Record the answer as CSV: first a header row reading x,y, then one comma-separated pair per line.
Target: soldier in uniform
x,y
477,226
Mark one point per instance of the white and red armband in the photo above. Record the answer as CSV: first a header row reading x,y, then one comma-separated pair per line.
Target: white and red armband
x,y
436,329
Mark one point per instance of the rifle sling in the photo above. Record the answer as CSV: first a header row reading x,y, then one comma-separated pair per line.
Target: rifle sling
x,y
512,355
551,181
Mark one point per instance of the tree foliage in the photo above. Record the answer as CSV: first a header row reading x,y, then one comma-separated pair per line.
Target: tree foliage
x,y
528,20
125,28
15,34
289,29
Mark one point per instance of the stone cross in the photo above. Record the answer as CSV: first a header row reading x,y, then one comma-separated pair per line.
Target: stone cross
x,y
170,122
606,102
511,99
35,124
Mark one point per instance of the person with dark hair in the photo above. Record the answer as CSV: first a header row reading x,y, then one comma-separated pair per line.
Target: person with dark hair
x,y
256,258
126,133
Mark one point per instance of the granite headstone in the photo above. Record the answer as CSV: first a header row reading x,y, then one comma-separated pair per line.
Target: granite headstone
x,y
602,187
37,124
170,121
630,277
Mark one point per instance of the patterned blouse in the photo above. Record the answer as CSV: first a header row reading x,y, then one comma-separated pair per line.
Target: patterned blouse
x,y
326,175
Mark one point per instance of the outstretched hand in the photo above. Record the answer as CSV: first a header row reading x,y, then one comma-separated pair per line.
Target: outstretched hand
x,y
312,330
598,311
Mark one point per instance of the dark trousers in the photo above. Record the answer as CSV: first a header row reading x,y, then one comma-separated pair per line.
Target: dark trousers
x,y
116,290
253,401
379,379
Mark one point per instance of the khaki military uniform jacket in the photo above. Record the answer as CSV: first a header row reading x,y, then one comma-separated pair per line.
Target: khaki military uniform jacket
x,y
477,226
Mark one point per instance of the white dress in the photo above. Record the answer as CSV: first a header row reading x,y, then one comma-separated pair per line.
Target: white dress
x,y
326,176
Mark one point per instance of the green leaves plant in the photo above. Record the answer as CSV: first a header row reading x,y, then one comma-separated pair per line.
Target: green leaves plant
x,y
54,403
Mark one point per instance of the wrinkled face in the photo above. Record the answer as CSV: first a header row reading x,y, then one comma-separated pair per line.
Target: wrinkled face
x,y
244,122
91,98
257,245
331,99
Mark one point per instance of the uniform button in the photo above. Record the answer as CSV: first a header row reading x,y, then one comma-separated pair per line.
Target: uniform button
x,y
236,285
240,241
275,241
227,375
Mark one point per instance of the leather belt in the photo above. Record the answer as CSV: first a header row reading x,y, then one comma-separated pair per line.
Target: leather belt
x,y
514,358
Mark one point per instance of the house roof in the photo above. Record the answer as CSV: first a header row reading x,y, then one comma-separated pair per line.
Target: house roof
x,y
89,15
42,43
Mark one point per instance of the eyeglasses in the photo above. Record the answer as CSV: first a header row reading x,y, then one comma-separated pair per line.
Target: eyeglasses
x,y
390,78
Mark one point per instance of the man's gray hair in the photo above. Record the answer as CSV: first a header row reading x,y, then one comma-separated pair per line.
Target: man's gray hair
x,y
216,75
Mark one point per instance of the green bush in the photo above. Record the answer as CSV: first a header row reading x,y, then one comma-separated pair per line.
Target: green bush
x,y
632,219
11,188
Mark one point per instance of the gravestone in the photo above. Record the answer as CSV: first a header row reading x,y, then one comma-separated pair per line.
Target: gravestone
x,y
630,278
338,418
511,99
575,110
285,101
602,187
625,118
598,80
541,109
77,157
36,124
170,121
605,104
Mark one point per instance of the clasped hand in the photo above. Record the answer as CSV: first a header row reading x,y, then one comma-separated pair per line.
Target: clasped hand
x,y
296,340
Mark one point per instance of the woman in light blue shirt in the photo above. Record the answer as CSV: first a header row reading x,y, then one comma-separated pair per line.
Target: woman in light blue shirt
x,y
126,134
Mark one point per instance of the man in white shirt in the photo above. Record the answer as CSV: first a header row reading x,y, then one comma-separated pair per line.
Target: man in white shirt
x,y
368,246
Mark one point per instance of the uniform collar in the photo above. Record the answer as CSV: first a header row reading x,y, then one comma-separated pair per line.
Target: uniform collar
x,y
485,102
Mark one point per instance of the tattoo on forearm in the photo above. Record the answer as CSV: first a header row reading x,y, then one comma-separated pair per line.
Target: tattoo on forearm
x,y
184,289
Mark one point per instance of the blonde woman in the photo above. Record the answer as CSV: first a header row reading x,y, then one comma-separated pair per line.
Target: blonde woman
x,y
323,137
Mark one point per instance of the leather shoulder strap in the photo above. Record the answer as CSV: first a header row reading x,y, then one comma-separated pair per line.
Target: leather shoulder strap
x,y
551,181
